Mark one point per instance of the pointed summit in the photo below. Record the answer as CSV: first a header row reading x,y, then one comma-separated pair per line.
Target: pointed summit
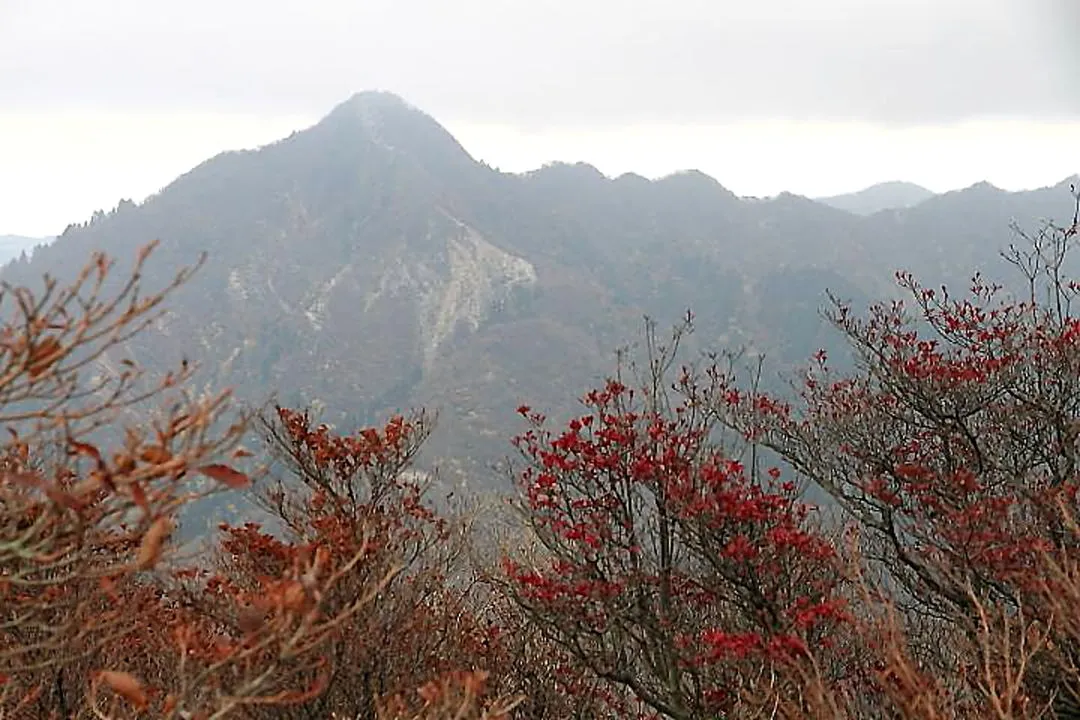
x,y
375,98
389,122
369,105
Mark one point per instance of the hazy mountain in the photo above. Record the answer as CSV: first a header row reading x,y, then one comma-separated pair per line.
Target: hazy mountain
x,y
11,246
883,196
369,263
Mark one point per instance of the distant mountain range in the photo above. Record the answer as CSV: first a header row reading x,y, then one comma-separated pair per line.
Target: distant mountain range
x,y
883,196
369,263
11,246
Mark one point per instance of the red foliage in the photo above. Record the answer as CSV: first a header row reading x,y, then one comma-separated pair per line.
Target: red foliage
x,y
953,445
664,568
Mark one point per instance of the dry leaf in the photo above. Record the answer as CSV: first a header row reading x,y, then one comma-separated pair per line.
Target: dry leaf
x,y
138,495
42,356
123,463
152,542
155,455
81,448
126,686
226,476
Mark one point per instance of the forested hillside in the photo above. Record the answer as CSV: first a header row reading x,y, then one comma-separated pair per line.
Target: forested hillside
x,y
368,264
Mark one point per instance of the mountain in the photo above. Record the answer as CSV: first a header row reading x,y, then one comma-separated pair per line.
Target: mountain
x,y
369,263
883,196
11,246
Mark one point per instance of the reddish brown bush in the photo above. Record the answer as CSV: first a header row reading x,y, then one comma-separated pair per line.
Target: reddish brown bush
x,y
77,521
653,575
352,604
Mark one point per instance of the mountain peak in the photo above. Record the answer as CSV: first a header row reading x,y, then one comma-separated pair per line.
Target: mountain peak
x,y
983,187
695,182
890,195
368,101
375,111
391,123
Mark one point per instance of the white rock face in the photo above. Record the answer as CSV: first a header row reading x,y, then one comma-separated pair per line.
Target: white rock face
x,y
237,287
481,276
473,280
462,284
316,310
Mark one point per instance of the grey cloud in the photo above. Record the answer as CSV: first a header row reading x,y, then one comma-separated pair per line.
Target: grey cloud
x,y
543,62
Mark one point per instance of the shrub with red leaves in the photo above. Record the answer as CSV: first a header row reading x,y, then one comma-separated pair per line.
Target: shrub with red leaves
x,y
664,570
953,446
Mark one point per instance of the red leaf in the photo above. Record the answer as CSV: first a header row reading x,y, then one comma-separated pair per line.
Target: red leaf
x,y
81,448
139,496
226,476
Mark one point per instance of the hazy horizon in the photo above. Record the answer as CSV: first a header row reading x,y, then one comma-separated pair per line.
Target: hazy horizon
x,y
155,150
111,100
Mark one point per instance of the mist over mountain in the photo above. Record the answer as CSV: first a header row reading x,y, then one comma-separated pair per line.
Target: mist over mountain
x,y
11,246
369,263
882,196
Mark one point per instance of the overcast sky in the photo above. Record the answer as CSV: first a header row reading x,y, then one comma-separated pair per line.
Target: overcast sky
x,y
103,99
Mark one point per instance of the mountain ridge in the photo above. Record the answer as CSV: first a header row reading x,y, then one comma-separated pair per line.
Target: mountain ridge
x,y
12,246
369,263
